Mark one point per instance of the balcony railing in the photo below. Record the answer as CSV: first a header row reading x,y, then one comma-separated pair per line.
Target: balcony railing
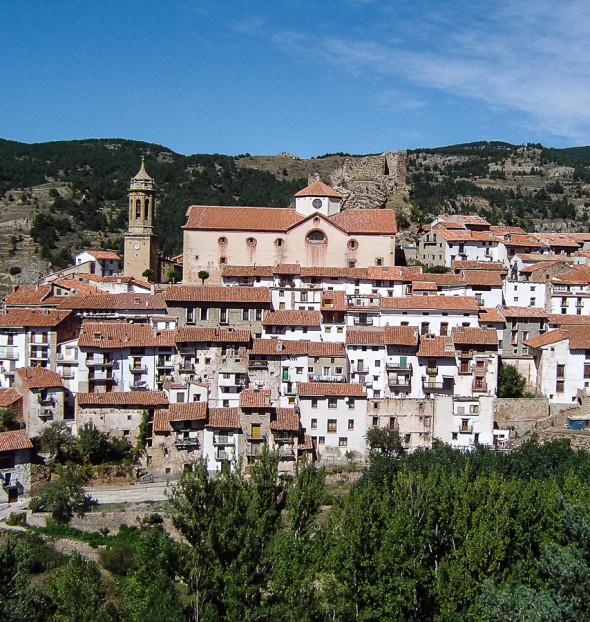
x,y
258,365
186,442
223,455
138,369
432,371
465,429
437,387
254,450
286,453
363,321
186,368
97,363
8,353
223,440
313,378
138,387
164,363
48,401
400,383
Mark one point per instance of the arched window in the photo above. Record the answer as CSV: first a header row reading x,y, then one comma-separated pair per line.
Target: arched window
x,y
138,208
147,209
316,237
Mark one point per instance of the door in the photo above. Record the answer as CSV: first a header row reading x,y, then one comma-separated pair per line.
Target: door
x,y
255,430
13,494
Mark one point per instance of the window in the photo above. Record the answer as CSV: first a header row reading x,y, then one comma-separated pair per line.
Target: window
x,y
314,424
316,237
245,315
310,370
279,242
314,402
444,329
321,440
226,403
338,371
351,402
375,421
258,314
299,370
560,386
352,244
332,402
408,439
223,316
342,441
223,260
190,316
328,329
222,241
332,426
351,424
379,261
392,423
204,313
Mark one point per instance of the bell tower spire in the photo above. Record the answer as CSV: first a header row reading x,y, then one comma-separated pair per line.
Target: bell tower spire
x,y
141,244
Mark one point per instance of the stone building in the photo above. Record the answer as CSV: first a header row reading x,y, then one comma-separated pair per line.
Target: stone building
x,y
15,465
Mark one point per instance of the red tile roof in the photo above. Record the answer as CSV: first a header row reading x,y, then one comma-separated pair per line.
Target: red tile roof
x,y
523,240
189,411
481,277
192,334
424,286
292,318
331,389
465,219
224,418
491,314
8,397
467,236
217,293
393,273
119,335
116,302
523,311
565,319
539,265
578,336
161,421
474,336
255,398
293,347
32,317
401,335
364,337
334,273
334,301
76,285
104,255
286,421
241,218
28,295
478,265
39,378
287,268
546,339
556,239
15,440
436,347
246,271
459,303
325,348
501,230
138,399
318,189
366,221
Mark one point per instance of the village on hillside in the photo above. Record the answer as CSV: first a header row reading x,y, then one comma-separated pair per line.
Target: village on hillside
x,y
294,329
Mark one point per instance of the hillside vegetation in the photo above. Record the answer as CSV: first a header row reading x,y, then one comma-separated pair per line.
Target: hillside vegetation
x,y
61,197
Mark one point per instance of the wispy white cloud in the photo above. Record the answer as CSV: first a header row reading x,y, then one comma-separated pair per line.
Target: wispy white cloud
x,y
532,58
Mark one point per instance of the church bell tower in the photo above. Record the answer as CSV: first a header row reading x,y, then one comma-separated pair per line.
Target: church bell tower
x,y
141,243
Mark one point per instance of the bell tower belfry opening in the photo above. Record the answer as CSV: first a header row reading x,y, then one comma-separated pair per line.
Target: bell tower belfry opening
x,y
141,243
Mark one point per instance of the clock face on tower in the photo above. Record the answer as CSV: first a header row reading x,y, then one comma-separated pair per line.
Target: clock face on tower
x,y
317,203
136,246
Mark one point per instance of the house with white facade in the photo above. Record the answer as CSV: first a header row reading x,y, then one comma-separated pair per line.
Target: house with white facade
x,y
101,263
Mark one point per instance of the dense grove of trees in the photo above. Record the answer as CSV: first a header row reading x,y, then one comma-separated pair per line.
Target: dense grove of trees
x,y
436,535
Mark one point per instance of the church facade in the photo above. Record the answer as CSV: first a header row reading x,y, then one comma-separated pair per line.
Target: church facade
x,y
313,233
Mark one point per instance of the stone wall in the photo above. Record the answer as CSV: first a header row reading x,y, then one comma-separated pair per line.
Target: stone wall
x,y
521,415
372,182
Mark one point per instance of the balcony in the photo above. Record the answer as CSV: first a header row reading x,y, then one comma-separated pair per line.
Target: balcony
x,y
446,386
282,438
465,429
100,379
223,440
166,363
368,321
286,452
186,368
397,367
97,363
258,365
223,456
401,383
47,401
142,386
254,450
320,378
138,369
67,373
186,442
46,413
479,386
8,353
432,371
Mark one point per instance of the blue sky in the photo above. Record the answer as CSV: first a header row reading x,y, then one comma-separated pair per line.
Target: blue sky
x,y
306,77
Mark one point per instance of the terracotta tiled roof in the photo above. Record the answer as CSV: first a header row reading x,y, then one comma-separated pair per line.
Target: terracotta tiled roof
x,y
401,335
241,218
292,347
436,347
32,317
137,399
318,189
447,225
28,295
366,221
334,301
189,411
467,236
119,335
286,421
8,397
192,334
76,285
334,273
39,378
255,398
466,303
556,239
116,302
393,273
104,255
478,265
539,265
224,418
579,277
491,314
530,257
466,335
307,443
565,319
335,389
424,286
292,318
287,268
501,230
524,240
217,293
448,278
481,277
579,237
161,421
523,311
326,348
465,219
546,339
245,271
364,337
15,440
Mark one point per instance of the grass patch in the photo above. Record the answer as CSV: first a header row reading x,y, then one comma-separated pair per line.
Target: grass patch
x,y
126,535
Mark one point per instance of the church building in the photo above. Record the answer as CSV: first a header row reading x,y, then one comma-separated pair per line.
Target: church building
x,y
141,243
316,232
